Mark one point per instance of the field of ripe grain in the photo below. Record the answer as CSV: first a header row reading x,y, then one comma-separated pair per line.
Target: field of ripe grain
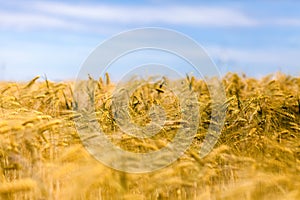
x,y
256,157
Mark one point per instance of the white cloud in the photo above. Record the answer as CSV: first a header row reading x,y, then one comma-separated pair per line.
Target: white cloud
x,y
102,18
22,21
184,15
107,17
13,20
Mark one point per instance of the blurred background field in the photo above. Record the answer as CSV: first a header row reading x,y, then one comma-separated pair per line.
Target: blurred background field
x,y
256,157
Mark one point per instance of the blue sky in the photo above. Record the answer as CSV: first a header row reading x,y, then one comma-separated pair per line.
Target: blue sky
x,y
55,37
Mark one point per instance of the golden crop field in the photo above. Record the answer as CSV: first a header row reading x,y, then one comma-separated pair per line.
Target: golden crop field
x,y
256,157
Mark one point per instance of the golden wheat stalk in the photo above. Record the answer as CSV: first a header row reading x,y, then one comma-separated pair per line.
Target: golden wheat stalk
x,y
18,186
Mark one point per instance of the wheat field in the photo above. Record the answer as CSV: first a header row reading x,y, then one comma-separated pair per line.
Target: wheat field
x,y
256,157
